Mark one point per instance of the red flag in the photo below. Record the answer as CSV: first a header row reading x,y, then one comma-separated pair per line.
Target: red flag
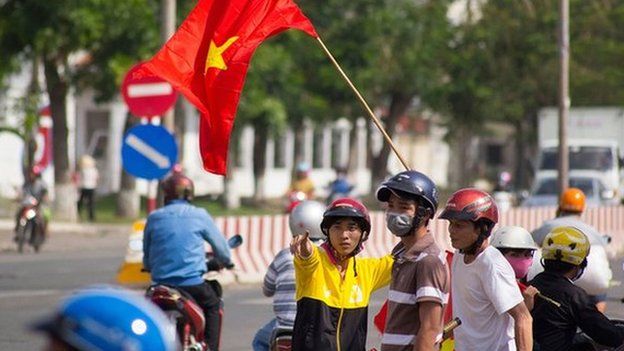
x,y
207,61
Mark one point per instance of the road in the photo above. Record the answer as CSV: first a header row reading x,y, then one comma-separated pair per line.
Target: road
x,y
31,285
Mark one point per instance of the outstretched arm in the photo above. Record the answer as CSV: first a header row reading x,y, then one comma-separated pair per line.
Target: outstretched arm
x,y
216,239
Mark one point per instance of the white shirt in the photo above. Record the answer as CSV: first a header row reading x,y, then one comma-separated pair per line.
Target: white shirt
x,y
88,178
482,293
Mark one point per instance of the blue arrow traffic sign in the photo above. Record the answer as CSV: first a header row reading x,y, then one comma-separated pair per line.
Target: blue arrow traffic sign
x,y
148,151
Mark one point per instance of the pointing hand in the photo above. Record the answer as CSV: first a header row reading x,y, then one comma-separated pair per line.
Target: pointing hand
x,y
301,246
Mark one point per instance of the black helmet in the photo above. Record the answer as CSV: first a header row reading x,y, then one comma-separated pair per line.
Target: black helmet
x,y
177,186
411,183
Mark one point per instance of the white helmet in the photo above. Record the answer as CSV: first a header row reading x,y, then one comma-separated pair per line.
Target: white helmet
x,y
307,216
513,237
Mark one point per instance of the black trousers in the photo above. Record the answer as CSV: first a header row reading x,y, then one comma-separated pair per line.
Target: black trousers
x,y
210,302
87,196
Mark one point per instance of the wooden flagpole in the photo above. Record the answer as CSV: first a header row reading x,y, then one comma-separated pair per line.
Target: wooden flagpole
x,y
365,104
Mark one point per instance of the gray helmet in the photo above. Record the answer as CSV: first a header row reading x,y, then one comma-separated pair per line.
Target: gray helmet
x,y
513,237
307,216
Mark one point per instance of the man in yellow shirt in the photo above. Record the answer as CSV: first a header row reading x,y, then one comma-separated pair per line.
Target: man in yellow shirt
x,y
333,290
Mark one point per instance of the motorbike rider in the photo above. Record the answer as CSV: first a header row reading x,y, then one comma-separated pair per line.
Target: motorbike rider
x,y
302,182
173,249
107,318
279,280
564,257
333,288
34,187
339,187
571,206
484,291
420,284
517,246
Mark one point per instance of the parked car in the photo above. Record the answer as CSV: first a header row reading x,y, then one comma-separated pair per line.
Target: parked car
x,y
545,191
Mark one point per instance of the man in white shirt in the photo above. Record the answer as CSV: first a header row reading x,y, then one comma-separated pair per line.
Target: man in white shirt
x,y
484,292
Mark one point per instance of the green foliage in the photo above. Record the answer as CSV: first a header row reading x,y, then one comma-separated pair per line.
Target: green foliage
x,y
110,34
505,65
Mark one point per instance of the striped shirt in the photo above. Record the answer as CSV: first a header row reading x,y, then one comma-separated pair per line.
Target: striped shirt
x,y
279,282
419,274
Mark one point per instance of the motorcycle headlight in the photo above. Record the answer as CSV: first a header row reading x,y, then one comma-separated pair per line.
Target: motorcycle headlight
x,y
30,214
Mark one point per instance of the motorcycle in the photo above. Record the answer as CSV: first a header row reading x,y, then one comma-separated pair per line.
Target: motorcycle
x,y
183,311
29,226
281,339
293,199
586,343
340,188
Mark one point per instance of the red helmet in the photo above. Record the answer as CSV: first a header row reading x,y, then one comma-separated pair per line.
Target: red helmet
x,y
471,205
178,186
346,207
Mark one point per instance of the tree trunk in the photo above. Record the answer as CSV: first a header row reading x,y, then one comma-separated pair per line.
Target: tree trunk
x,y
65,192
379,168
259,164
353,150
299,142
231,197
128,202
32,95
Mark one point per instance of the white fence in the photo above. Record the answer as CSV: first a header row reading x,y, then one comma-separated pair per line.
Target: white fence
x,y
264,236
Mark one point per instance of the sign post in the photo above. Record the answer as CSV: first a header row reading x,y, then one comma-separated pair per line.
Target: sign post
x,y
148,96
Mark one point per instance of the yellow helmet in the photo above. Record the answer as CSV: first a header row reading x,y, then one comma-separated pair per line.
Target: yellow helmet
x,y
566,244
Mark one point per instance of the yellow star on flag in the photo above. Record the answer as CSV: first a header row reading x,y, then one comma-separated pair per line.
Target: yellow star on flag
x,y
215,54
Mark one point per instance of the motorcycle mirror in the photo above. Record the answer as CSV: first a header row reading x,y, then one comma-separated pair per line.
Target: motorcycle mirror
x,y
235,241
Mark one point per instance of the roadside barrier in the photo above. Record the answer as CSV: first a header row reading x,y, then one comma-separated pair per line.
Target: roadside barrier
x,y
265,236
130,272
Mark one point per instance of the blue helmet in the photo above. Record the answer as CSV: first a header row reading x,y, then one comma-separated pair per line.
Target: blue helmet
x,y
412,184
110,319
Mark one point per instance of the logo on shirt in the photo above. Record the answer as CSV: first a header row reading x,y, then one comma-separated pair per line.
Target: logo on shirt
x,y
356,296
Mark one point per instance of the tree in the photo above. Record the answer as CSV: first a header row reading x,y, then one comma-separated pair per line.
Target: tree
x,y
260,106
391,50
505,68
108,34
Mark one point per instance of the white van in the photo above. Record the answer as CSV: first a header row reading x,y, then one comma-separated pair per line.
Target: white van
x,y
601,157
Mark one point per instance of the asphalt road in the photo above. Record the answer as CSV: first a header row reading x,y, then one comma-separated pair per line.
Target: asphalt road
x,y
31,285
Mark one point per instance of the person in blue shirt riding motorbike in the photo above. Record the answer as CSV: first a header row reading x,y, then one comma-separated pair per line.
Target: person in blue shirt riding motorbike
x,y
174,253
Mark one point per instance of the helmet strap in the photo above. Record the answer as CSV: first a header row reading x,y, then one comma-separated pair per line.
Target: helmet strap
x,y
484,233
472,249
581,270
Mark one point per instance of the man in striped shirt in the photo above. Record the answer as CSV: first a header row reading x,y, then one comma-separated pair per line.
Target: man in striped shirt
x,y
420,284
279,280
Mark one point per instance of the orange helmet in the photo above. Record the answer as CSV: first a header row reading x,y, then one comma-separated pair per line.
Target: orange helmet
x,y
572,200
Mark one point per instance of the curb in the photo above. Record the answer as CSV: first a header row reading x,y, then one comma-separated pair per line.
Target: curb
x,y
80,228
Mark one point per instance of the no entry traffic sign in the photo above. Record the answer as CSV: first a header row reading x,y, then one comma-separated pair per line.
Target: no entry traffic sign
x,y
146,94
